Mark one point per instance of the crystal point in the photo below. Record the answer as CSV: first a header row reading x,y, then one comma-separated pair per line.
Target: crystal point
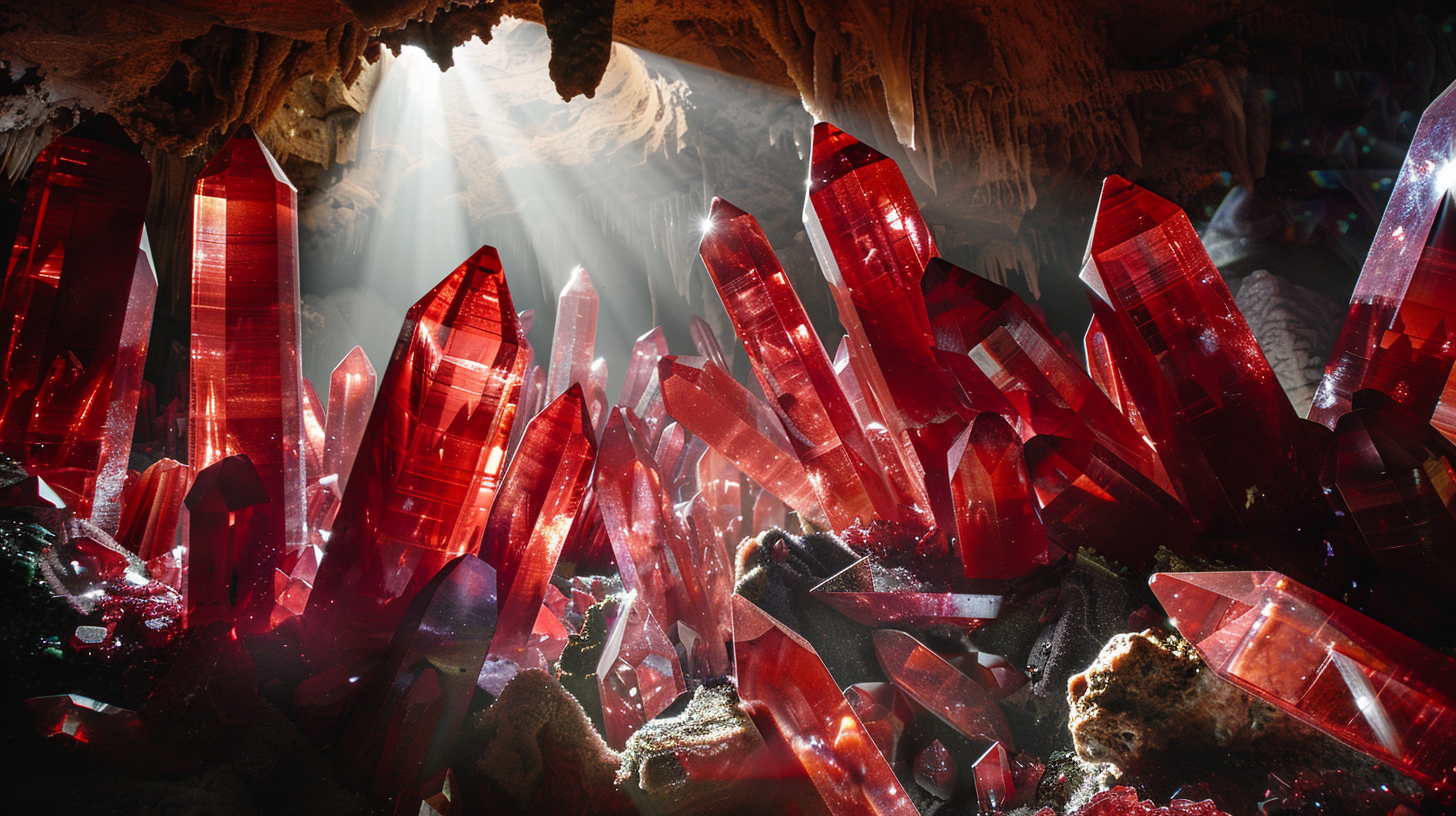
x,y
998,531
574,339
780,670
638,673
429,461
941,688
246,370
1356,680
78,294
231,553
351,394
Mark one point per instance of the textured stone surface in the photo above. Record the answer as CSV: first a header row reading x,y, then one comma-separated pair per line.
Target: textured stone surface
x,y
1295,327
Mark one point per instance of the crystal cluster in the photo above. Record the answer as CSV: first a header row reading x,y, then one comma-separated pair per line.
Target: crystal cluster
x,y
419,552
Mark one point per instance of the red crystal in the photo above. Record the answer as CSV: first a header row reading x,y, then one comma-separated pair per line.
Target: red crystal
x,y
794,370
1122,801
884,711
231,551
705,340
938,686
153,509
719,410
1091,498
935,770
873,246
652,545
1356,680
574,339
1168,316
75,315
1393,479
404,728
638,673
86,720
246,390
995,785
780,670
1398,335
538,499
914,609
998,532
351,394
642,391
432,452
313,434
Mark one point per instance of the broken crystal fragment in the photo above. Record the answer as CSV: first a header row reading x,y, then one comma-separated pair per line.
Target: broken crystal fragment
x,y
1398,334
794,370
539,497
938,686
153,509
351,394
994,782
428,463
638,673
1356,680
86,720
246,372
781,671
75,314
884,711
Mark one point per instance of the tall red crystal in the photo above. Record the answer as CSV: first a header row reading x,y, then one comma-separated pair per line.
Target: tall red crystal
x,y
404,729
314,438
873,246
998,532
1399,335
538,499
231,549
794,370
638,673
247,380
1356,680
429,460
651,543
717,409
74,317
940,687
641,391
573,342
781,671
994,783
1164,307
351,394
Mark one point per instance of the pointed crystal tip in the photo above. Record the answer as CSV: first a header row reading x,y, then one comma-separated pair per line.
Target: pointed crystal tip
x,y
1125,211
723,209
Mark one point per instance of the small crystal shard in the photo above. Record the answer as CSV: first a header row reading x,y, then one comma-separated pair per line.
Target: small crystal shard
x,y
794,369
313,433
428,463
539,497
1356,680
246,389
780,670
935,770
938,686
998,532
638,673
994,782
1398,335
150,517
705,340
75,314
884,711
351,394
404,727
738,426
574,339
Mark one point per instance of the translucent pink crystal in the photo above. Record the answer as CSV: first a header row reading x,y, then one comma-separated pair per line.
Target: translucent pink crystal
x,y
638,673
351,395
573,342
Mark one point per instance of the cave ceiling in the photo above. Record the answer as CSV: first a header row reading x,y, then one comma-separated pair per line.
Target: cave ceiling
x,y
1006,114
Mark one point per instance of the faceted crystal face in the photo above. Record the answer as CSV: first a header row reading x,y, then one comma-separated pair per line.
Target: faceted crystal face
x,y
941,688
534,509
573,342
717,409
1355,679
638,674
794,370
1397,334
75,314
998,532
1160,300
153,508
351,394
779,669
994,783
409,713
431,456
231,552
246,390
